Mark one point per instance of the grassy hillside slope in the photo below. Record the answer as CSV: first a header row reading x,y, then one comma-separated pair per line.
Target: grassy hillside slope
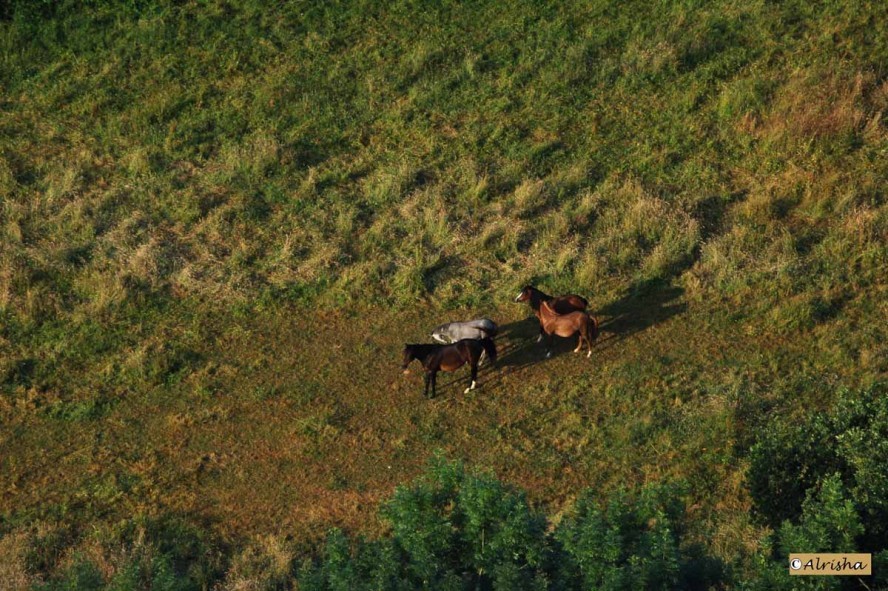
x,y
219,222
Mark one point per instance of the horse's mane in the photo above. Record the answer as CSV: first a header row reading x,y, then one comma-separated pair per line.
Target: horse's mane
x,y
423,350
539,292
544,297
537,296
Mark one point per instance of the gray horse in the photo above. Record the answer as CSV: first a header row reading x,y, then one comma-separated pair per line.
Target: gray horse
x,y
471,329
478,328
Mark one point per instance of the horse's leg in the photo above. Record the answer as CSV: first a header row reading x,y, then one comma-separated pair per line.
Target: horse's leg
x,y
428,378
581,335
542,334
549,347
474,363
434,383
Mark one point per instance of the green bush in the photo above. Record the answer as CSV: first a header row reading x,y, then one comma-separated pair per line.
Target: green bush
x,y
140,572
156,554
450,529
849,442
630,544
83,575
829,522
454,529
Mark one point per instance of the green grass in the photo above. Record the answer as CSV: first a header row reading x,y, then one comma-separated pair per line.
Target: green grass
x,y
219,222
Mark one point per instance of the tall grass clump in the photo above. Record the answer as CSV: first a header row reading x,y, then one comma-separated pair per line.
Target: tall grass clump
x,y
279,146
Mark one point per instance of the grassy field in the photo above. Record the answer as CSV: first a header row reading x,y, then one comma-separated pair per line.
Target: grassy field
x,y
220,221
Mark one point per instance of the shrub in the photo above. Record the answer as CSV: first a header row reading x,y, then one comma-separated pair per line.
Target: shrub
x,y
449,529
850,442
630,544
829,522
157,554
454,529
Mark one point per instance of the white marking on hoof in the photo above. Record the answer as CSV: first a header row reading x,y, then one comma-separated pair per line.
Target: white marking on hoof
x,y
472,387
549,354
589,354
539,339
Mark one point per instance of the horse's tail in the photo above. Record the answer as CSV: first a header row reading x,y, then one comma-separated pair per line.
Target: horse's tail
x,y
485,324
489,348
593,327
490,331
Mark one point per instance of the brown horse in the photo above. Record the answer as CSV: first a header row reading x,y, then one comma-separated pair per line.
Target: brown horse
x,y
561,305
435,358
567,325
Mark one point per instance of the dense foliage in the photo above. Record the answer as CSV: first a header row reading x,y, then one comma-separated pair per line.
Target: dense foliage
x,y
451,529
463,531
843,450
439,529
456,529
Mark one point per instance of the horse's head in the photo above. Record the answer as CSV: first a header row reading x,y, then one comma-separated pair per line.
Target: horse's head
x,y
440,334
525,293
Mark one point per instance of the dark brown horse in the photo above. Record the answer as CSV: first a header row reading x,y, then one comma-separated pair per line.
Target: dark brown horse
x,y
561,305
435,358
567,325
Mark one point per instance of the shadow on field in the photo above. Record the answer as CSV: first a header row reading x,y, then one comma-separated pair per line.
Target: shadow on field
x,y
520,347
516,349
648,303
634,312
644,304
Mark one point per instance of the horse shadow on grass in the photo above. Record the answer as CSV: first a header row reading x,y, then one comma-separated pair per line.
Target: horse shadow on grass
x,y
651,302
642,305
516,348
639,308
